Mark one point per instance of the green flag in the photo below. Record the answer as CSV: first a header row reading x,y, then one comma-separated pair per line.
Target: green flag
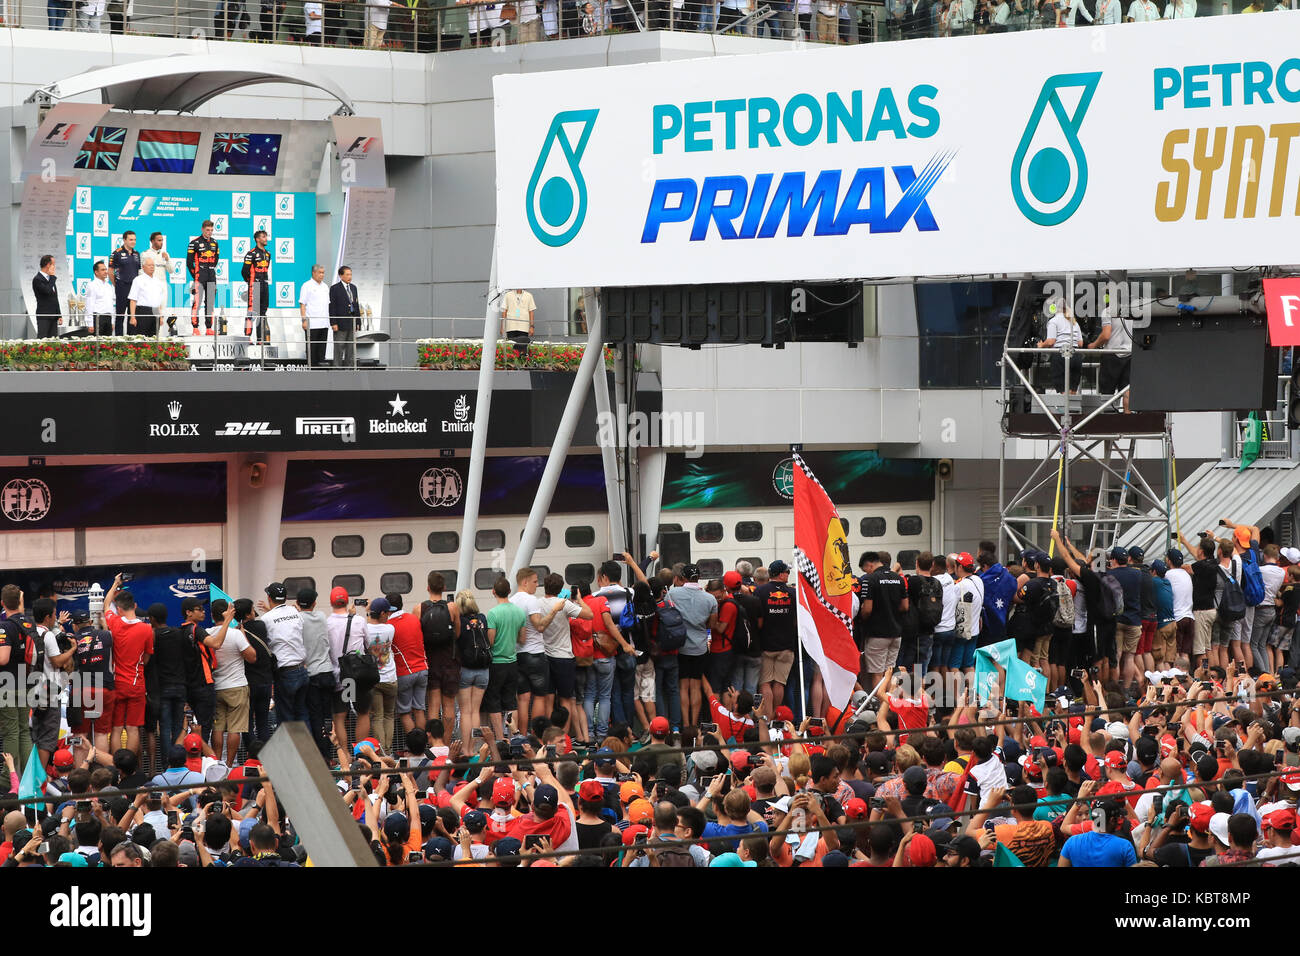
x,y
1004,857
216,594
1252,442
1026,683
34,777
987,661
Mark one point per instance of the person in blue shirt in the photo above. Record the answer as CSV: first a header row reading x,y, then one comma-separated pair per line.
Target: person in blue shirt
x,y
1101,848
735,816
1165,646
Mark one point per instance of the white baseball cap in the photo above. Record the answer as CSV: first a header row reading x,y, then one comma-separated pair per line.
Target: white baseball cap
x,y
1219,828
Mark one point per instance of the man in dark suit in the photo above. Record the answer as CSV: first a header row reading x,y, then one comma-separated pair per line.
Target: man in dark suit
x,y
45,286
345,310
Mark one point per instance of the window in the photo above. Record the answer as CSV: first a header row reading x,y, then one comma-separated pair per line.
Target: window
x,y
293,585
484,578
449,582
709,568
354,584
909,525
579,536
907,559
348,546
395,581
397,543
756,562
708,532
873,527
576,573
541,569
489,540
444,542
961,327
543,538
298,549
749,530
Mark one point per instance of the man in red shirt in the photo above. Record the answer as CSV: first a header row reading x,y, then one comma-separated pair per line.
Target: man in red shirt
x,y
732,712
412,665
721,652
132,648
1118,782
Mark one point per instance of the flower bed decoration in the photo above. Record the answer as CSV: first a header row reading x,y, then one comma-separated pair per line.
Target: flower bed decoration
x,y
443,354
93,353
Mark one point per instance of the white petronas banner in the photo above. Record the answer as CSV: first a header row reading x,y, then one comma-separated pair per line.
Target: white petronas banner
x,y
1133,146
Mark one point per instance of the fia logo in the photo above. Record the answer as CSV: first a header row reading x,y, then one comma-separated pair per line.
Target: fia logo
x,y
83,245
241,205
262,224
83,199
284,250
101,223
284,293
25,499
220,226
460,411
284,205
441,487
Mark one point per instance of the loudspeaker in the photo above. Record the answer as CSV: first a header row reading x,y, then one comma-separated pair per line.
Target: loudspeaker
x,y
674,546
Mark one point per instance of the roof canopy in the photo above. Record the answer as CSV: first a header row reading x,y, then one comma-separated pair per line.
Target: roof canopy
x,y
183,83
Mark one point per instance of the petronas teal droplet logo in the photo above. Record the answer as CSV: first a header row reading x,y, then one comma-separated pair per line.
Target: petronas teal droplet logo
x,y
557,192
1049,172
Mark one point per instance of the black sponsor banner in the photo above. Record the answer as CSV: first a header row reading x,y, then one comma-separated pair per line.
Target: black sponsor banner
x,y
105,496
251,419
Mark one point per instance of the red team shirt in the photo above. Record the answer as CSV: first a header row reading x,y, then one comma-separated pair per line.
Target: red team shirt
x,y
132,640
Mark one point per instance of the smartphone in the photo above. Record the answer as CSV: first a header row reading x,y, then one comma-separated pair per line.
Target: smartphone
x,y
758,701
43,848
83,806
478,732
625,778
360,602
172,818
877,803
155,801
415,856
1078,673
73,741
1158,801
816,722
533,841
706,728
126,577
705,781
616,557
550,751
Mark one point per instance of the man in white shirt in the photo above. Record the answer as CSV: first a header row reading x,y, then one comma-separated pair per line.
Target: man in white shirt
x,y
1064,334
1180,582
1143,11
1262,634
162,261
230,717
1109,11
145,300
89,15
284,638
313,13
1116,342
559,647
314,306
970,594
945,631
101,301
529,26
1186,9
536,693
519,311
377,22
346,638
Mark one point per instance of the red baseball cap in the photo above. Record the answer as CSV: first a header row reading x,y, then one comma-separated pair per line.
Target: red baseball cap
x,y
1168,746
731,580
193,744
660,726
965,560
1076,735
1200,815
784,713
632,832
856,809
63,758
740,759
1281,819
593,791
1116,760
921,851
339,596
503,791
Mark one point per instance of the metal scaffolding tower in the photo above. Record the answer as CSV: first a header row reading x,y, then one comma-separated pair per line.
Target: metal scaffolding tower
x,y
1093,442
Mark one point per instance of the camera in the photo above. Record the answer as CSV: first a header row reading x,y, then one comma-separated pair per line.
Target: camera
x,y
877,803
126,576
707,728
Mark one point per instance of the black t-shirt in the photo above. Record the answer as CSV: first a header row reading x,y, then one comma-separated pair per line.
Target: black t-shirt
x,y
1032,597
94,654
590,834
753,610
15,629
886,591
1205,579
259,672
1091,584
777,612
1148,598
169,659
1290,594
1180,854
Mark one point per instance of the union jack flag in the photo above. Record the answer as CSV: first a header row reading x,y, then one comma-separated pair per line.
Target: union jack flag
x,y
102,149
230,143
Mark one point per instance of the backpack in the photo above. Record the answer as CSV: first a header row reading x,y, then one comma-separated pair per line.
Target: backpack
x,y
741,638
1252,582
929,605
33,648
671,853
1064,616
1045,610
672,626
1232,601
435,624
1112,598
627,617
965,616
475,648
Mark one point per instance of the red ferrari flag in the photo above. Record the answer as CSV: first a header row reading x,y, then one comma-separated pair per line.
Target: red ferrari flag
x,y
824,586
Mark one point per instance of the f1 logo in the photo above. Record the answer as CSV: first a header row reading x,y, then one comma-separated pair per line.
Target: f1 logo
x,y
61,131
360,145
145,204
1282,297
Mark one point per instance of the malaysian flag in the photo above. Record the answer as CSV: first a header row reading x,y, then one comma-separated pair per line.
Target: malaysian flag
x,y
244,154
165,151
102,149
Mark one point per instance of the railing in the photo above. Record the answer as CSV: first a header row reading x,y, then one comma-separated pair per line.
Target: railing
x,y
398,342
428,27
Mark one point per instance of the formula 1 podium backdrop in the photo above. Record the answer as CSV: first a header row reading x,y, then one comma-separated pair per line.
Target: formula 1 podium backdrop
x,y
93,171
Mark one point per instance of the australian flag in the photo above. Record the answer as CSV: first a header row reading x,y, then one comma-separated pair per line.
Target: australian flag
x,y
102,149
244,154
